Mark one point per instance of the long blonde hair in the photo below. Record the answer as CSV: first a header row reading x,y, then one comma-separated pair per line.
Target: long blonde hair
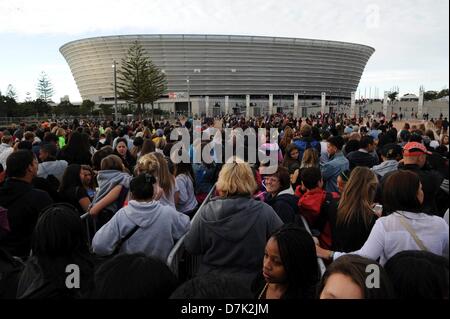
x,y
310,158
156,165
357,198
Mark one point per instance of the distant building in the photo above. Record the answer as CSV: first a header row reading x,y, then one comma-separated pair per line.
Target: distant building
x,y
221,71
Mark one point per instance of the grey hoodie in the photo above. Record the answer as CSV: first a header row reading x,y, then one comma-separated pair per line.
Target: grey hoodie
x,y
107,180
231,235
385,167
159,228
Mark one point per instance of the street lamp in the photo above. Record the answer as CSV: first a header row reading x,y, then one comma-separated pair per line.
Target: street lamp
x,y
189,96
114,66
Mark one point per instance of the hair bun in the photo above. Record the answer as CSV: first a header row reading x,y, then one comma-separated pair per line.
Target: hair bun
x,y
150,179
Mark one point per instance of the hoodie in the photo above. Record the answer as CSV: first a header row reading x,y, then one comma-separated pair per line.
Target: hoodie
x,y
24,203
107,180
310,206
285,205
159,228
55,168
385,167
231,235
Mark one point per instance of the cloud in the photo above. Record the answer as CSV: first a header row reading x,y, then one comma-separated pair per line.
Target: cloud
x,y
411,35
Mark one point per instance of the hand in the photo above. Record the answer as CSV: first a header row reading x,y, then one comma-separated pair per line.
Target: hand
x,y
322,253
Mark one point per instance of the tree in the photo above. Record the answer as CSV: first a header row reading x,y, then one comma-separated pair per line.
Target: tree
x,y
11,92
42,107
393,96
87,106
44,88
443,93
157,87
139,81
430,95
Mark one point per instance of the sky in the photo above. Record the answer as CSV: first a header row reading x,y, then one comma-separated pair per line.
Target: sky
x,y
411,37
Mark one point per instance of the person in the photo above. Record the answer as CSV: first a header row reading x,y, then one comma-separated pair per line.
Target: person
x,y
123,152
5,149
77,150
347,278
58,241
316,205
23,202
306,141
134,276
213,286
231,230
152,228
72,190
364,157
88,180
418,275
355,216
185,180
290,269
336,165
407,228
414,160
292,163
391,154
155,164
113,187
342,180
49,164
310,159
280,195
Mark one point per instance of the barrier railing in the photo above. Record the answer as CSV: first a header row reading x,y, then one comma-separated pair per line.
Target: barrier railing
x,y
178,255
319,260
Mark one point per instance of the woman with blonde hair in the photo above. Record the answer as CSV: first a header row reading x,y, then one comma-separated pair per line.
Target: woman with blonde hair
x,y
231,230
156,165
355,215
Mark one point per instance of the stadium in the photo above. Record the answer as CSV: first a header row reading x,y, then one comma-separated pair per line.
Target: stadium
x,y
225,73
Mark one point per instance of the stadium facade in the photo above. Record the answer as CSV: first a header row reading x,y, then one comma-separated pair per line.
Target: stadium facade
x,y
227,73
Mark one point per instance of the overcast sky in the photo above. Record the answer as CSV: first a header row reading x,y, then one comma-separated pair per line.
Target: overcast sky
x,y
411,37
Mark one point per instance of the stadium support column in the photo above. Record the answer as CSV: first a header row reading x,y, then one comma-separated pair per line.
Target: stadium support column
x,y
385,103
353,106
206,106
270,104
323,104
296,105
247,106
420,106
227,104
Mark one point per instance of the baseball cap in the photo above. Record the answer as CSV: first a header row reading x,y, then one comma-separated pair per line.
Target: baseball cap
x,y
434,144
415,149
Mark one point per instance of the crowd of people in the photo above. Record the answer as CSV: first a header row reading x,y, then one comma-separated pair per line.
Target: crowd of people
x,y
371,195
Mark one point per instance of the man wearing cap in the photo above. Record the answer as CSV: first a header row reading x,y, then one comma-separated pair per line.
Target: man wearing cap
x,y
414,159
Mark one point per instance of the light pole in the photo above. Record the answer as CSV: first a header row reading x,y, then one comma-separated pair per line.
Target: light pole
x,y
189,96
115,89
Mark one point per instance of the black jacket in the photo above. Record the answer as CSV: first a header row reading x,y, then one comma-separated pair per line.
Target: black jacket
x,y
24,203
285,205
431,182
358,158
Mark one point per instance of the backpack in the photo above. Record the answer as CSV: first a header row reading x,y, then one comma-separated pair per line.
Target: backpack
x,y
10,271
328,209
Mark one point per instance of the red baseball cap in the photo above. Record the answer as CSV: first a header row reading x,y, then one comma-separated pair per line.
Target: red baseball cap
x,y
415,149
